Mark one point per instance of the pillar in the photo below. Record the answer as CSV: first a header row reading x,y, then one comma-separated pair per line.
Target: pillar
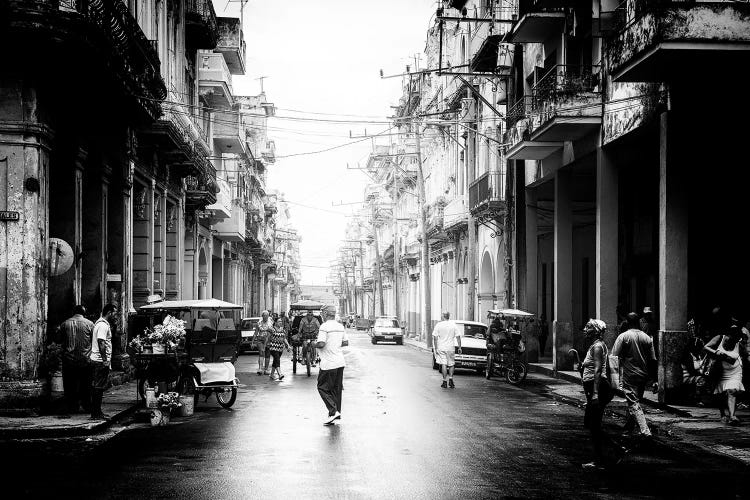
x,y
673,257
531,269
607,244
562,335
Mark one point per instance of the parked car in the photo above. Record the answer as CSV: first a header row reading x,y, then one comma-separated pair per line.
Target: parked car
x,y
386,328
362,323
247,328
473,346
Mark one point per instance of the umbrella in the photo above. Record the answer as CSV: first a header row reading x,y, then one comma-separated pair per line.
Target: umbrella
x,y
511,312
307,304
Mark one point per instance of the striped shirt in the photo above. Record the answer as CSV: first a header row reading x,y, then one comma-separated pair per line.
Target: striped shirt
x,y
76,338
276,340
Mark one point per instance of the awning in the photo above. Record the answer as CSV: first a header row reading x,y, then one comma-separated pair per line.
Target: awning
x,y
191,304
485,58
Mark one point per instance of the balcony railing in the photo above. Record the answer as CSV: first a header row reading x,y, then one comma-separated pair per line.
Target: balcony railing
x,y
520,110
232,44
487,190
200,190
202,27
215,80
566,80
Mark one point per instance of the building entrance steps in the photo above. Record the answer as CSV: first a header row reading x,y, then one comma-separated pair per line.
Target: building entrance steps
x,y
119,401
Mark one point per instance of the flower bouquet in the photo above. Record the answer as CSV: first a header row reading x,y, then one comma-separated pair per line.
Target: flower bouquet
x,y
171,332
136,344
165,403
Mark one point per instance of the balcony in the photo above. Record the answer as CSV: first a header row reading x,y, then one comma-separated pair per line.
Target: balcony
x,y
227,127
456,214
487,193
222,208
536,25
215,80
520,120
233,228
435,220
121,63
568,103
231,44
269,152
667,41
200,191
201,27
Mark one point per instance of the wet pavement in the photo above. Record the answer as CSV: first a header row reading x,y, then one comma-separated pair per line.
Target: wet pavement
x,y
400,436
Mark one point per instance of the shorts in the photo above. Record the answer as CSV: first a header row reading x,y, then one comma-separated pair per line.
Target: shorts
x,y
99,375
447,358
276,359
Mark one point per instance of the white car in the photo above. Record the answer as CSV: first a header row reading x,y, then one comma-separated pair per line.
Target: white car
x,y
473,346
386,328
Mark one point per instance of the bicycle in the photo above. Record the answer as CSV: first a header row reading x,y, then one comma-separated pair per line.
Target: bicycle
x,y
310,354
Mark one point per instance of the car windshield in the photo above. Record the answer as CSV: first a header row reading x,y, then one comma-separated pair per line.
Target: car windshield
x,y
249,324
476,331
386,323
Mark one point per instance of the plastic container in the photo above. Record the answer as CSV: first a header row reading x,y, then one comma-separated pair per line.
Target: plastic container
x,y
188,405
151,397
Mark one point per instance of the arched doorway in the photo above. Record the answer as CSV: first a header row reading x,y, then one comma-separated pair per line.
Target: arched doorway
x,y
202,274
486,286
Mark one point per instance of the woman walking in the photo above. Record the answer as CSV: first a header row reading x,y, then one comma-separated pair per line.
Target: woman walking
x,y
727,350
276,343
597,387
262,332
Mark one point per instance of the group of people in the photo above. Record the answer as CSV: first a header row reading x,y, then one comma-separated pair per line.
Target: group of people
x,y
86,359
327,340
632,365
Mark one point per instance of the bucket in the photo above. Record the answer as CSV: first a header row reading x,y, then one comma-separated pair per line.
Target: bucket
x,y
56,382
151,397
159,417
158,348
188,405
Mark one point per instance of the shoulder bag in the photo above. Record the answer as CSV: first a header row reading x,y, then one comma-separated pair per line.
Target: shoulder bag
x,y
606,388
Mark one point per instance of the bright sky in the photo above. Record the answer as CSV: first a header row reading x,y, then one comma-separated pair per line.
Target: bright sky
x,y
325,57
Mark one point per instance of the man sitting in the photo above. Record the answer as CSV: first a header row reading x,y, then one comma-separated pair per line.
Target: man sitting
x,y
308,329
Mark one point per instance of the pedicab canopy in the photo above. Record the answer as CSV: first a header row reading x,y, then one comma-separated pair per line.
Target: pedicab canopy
x,y
511,312
307,304
191,304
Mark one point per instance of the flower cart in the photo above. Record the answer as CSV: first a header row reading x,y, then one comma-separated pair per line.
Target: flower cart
x,y
201,339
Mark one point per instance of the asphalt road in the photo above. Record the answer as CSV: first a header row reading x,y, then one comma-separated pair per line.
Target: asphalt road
x,y
400,436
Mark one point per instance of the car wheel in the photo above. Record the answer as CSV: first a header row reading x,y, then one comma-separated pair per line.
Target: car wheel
x,y
372,339
488,368
400,342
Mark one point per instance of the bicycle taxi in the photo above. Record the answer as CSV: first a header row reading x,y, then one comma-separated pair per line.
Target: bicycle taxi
x,y
299,310
505,345
204,365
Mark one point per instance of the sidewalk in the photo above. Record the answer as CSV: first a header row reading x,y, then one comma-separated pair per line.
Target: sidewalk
x,y
119,401
681,425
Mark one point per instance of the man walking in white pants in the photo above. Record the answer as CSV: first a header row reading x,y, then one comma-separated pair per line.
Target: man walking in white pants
x,y
443,336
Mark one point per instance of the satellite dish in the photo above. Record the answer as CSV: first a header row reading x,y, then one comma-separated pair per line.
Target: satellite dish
x,y
60,257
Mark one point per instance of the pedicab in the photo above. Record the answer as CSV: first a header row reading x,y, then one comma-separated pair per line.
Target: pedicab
x,y
205,364
299,310
504,347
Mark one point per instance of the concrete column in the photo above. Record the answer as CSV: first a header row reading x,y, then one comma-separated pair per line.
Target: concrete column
x,y
607,265
531,269
673,257
78,229
563,322
127,237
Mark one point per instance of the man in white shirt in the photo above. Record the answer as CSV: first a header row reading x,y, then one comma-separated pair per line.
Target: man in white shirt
x,y
443,336
101,359
331,338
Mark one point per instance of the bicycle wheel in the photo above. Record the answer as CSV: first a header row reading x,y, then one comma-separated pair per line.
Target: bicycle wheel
x,y
226,397
515,373
294,359
489,370
308,359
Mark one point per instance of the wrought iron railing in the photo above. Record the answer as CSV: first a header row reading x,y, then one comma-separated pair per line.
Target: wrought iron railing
x,y
520,110
565,80
486,189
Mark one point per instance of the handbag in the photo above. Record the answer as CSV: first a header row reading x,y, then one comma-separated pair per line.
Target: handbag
x,y
710,368
606,387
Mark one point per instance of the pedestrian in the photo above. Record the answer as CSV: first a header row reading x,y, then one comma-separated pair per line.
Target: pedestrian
x,y
637,357
101,359
276,342
75,336
444,335
648,323
262,332
727,350
331,338
597,388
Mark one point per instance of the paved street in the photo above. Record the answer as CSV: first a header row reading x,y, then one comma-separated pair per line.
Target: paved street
x,y
401,436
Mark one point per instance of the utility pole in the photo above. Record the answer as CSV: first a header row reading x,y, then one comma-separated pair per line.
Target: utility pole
x,y
396,249
425,242
377,263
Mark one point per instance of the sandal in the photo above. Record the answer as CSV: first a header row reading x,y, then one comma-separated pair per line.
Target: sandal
x,y
734,421
281,377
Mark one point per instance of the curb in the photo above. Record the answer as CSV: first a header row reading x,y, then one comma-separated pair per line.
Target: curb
x,y
574,380
63,432
415,345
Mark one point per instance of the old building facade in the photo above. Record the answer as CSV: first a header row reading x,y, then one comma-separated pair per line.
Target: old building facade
x,y
139,173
